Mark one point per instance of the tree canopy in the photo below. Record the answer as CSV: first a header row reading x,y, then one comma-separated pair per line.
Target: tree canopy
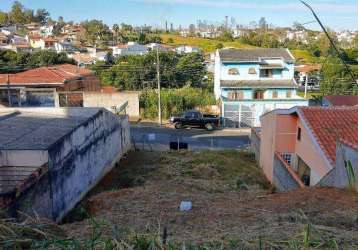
x,y
21,15
139,72
11,61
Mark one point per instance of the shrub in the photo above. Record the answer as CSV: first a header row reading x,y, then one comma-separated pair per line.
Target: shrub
x,y
174,101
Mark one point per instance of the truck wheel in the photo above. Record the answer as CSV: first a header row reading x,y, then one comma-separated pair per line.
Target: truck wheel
x,y
178,125
209,127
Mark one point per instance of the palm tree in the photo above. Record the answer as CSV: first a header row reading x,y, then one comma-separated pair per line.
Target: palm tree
x,y
116,30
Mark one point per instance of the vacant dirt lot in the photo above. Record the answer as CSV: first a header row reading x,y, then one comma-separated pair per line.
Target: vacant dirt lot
x,y
232,203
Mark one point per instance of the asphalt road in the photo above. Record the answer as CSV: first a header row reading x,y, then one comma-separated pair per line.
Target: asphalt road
x,y
158,138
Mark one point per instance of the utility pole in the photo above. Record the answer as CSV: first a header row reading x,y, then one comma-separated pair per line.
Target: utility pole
x,y
306,83
158,81
8,91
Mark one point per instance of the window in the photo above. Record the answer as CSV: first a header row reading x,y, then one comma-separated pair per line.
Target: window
x,y
252,71
233,71
289,94
287,158
236,95
274,94
259,94
299,134
267,73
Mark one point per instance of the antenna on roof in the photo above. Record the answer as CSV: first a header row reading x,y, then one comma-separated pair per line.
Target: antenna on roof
x,y
331,41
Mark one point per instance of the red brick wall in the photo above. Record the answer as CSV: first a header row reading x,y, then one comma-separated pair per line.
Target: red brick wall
x,y
88,83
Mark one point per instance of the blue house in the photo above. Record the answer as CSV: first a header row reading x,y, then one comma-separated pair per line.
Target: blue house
x,y
251,82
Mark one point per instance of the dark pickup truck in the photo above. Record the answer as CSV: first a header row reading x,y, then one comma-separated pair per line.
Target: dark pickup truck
x,y
194,118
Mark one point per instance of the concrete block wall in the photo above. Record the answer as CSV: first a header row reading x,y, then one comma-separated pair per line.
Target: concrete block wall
x,y
81,159
255,143
77,162
282,179
345,153
108,100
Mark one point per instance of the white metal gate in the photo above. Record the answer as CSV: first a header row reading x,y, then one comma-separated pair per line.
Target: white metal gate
x,y
239,115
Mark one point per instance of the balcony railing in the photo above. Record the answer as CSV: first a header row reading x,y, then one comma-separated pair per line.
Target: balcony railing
x,y
290,169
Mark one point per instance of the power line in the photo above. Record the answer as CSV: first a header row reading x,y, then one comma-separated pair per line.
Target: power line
x,y
331,41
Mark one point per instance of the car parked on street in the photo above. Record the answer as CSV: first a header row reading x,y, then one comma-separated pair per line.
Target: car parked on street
x,y
194,118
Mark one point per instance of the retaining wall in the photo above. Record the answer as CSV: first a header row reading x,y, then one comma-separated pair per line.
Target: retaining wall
x,y
282,178
77,162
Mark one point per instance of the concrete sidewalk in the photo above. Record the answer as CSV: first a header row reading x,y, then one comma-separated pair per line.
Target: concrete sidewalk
x,y
168,125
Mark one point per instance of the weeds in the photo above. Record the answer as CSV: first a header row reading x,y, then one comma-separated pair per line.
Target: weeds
x,y
34,233
352,181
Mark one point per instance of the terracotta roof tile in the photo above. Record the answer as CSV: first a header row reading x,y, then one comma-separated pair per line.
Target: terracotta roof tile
x,y
46,75
330,125
342,100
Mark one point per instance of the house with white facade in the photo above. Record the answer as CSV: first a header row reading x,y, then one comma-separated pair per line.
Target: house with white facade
x,y
251,82
160,47
46,30
64,46
131,48
185,49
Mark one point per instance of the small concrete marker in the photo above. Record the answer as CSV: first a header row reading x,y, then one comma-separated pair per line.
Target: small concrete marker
x,y
185,206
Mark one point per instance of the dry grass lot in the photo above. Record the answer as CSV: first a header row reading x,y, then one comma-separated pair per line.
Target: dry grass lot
x,y
233,204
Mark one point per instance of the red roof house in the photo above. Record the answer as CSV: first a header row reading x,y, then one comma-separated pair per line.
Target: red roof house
x,y
302,146
65,77
340,100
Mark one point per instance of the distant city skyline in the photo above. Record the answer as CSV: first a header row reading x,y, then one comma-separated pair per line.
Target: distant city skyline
x,y
335,14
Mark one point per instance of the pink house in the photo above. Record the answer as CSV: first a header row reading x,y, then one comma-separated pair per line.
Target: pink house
x,y
308,146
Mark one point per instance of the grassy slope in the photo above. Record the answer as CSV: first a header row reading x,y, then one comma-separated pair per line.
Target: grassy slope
x,y
232,209
304,57
207,45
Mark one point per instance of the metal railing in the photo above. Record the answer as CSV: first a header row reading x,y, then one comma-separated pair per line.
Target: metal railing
x,y
121,110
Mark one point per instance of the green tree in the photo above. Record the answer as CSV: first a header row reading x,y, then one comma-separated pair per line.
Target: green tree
x,y
153,39
96,32
42,16
139,72
142,38
29,16
190,70
17,14
4,18
116,32
219,46
355,42
226,36
335,78
11,61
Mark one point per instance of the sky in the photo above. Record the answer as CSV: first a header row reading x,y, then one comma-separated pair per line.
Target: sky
x,y
336,14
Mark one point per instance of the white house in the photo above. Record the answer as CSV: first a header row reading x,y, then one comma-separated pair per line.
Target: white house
x,y
251,82
185,49
298,35
160,47
64,47
8,30
46,30
131,48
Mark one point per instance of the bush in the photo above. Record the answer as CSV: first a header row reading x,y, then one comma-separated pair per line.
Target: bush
x,y
174,101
